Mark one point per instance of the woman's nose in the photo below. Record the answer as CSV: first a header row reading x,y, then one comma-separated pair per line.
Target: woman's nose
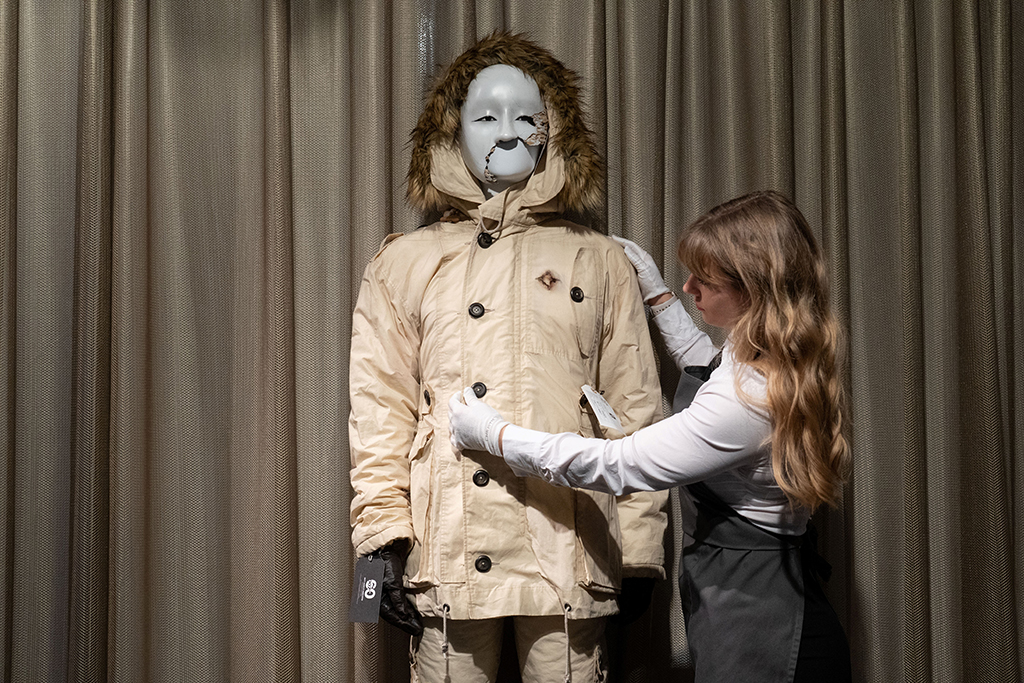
x,y
689,287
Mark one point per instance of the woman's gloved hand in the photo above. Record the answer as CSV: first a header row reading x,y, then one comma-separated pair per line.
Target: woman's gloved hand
x,y
395,608
651,282
474,425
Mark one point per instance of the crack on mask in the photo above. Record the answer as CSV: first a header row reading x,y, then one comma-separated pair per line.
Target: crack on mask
x,y
540,119
488,176
548,280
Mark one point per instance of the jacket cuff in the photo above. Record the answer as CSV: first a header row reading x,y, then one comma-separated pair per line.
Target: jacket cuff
x,y
382,538
646,571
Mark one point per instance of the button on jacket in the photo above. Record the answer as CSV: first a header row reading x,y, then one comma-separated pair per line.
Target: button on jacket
x,y
558,307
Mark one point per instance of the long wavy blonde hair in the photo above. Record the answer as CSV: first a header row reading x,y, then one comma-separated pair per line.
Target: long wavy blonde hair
x,y
761,245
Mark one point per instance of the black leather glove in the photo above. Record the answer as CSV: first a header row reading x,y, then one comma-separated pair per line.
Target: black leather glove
x,y
634,598
395,608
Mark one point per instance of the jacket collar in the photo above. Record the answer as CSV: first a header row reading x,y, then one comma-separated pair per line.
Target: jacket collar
x,y
517,207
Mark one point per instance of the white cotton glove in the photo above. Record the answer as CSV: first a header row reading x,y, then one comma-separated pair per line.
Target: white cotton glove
x,y
474,425
651,282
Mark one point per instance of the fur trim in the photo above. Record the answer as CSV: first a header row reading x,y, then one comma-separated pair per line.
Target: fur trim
x,y
573,141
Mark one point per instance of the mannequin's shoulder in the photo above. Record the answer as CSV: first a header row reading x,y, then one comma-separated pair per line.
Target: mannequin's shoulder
x,y
585,235
613,253
424,242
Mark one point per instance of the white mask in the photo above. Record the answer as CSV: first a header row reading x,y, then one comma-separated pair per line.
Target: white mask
x,y
504,127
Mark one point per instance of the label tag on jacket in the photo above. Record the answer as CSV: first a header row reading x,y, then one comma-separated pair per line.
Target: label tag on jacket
x,y
602,411
366,590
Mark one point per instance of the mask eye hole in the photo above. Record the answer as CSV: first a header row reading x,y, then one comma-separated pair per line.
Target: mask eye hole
x,y
485,117
526,119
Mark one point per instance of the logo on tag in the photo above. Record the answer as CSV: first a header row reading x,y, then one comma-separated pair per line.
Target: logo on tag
x,y
366,585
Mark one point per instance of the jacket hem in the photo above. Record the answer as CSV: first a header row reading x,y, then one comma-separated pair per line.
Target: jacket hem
x,y
472,602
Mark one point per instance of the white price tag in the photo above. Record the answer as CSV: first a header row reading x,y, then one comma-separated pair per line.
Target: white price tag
x,y
604,413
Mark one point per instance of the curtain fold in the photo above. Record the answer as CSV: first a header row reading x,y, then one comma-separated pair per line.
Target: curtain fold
x,y
129,602
190,190
90,360
324,270
262,476
8,307
38,477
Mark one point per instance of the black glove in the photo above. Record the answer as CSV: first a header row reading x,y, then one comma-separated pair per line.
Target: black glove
x,y
395,608
634,598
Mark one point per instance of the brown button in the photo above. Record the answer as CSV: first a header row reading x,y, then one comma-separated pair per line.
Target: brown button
x,y
483,564
479,389
476,310
480,478
426,396
484,240
576,294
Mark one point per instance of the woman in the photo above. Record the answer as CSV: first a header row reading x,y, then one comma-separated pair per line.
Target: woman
x,y
759,448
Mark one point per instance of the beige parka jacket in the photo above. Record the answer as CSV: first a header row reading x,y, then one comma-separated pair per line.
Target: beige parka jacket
x,y
508,297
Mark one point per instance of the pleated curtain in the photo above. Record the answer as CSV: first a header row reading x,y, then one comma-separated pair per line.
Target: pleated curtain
x,y
190,190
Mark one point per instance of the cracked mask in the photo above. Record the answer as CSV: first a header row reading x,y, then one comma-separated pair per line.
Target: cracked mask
x,y
504,126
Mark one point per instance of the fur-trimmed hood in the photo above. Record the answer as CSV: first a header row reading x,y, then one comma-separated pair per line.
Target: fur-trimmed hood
x,y
571,151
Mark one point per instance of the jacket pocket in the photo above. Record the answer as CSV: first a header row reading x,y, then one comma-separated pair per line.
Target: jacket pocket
x,y
419,565
599,550
564,302
587,293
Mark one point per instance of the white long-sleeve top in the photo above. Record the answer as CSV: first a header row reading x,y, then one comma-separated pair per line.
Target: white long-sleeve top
x,y
720,439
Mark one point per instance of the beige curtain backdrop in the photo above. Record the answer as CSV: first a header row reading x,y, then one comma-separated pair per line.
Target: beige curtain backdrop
x,y
190,189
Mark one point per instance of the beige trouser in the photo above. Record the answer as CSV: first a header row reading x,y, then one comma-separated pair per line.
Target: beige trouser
x,y
474,647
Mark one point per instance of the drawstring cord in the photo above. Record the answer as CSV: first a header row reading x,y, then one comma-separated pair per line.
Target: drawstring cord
x,y
444,629
496,233
413,645
566,608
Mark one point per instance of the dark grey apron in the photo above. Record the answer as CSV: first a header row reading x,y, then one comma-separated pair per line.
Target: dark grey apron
x,y
742,587
692,377
742,591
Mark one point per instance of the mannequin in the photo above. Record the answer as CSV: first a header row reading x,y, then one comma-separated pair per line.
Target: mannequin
x,y
505,294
